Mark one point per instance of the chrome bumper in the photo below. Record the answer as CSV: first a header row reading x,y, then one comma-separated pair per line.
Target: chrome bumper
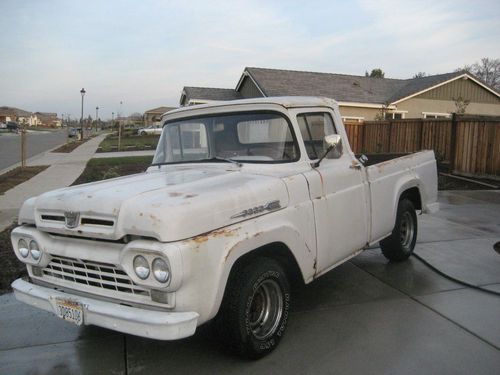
x,y
136,321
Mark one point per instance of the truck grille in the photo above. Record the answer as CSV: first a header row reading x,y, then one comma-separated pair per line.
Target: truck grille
x,y
93,274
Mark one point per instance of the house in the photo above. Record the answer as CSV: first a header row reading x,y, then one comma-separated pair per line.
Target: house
x,y
364,98
17,115
48,119
153,116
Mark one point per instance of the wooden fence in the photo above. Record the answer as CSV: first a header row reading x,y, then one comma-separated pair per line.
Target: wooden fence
x,y
470,145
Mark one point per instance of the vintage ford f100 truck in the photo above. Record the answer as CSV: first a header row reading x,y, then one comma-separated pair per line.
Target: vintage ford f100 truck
x,y
243,199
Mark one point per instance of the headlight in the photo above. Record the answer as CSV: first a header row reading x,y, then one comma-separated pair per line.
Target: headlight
x,y
23,248
161,270
35,250
141,267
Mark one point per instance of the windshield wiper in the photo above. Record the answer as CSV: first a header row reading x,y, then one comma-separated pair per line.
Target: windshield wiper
x,y
218,158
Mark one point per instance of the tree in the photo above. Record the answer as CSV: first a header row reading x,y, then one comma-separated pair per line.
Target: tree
x,y
488,70
461,104
376,73
420,75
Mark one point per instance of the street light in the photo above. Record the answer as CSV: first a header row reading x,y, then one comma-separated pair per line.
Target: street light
x,y
96,117
82,91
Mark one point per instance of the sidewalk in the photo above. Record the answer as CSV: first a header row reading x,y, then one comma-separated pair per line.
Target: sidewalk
x,y
121,154
64,169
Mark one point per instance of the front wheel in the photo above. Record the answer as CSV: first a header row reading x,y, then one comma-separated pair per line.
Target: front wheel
x,y
400,244
255,308
143,133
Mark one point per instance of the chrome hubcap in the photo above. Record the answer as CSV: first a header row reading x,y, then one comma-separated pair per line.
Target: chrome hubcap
x,y
266,309
407,229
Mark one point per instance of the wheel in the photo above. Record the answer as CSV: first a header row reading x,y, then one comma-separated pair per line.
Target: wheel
x,y
143,133
400,244
255,308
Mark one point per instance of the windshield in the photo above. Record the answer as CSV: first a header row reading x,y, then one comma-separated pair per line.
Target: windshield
x,y
245,137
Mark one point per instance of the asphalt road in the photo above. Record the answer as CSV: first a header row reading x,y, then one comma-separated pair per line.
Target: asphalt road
x,y
37,141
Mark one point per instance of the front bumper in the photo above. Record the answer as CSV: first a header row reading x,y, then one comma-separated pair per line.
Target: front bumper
x,y
136,321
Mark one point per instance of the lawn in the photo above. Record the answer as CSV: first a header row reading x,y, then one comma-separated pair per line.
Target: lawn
x,y
129,142
103,168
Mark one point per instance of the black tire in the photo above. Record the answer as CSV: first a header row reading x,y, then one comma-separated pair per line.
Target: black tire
x,y
254,311
400,244
143,133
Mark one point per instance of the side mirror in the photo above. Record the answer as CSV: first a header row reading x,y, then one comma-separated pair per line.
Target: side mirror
x,y
334,142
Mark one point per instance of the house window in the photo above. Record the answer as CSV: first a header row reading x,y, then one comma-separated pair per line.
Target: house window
x,y
396,115
435,115
352,119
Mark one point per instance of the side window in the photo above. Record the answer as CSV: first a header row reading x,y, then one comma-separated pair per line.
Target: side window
x,y
314,127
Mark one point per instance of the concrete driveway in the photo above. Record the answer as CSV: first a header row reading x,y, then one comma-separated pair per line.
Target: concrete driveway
x,y
365,317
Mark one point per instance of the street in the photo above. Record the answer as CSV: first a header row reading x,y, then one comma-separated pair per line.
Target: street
x,y
37,142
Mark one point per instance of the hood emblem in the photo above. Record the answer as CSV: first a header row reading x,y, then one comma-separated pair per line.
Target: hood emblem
x,y
269,206
71,219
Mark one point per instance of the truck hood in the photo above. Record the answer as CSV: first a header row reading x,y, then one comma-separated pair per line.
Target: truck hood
x,y
170,204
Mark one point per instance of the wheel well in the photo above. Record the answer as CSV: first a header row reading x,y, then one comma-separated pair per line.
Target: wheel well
x,y
277,251
413,194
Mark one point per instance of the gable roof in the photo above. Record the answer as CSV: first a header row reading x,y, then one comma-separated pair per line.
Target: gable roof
x,y
346,88
6,111
209,93
159,110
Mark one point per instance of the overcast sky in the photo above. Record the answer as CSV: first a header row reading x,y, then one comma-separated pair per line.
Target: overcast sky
x,y
143,52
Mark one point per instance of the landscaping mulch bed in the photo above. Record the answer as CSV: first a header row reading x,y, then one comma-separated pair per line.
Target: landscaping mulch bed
x,y
451,183
18,175
68,147
104,168
11,268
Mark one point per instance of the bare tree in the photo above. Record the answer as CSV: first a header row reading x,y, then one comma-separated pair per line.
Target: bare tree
x,y
420,75
461,104
487,70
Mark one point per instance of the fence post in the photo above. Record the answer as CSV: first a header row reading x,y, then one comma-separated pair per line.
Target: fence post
x,y
421,135
453,141
390,136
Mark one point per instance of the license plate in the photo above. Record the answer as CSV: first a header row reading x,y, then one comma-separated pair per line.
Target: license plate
x,y
70,311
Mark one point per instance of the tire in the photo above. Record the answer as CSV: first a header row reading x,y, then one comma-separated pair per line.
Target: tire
x,y
255,308
143,133
400,244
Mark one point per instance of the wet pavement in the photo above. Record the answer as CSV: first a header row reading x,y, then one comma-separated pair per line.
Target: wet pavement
x,y
366,316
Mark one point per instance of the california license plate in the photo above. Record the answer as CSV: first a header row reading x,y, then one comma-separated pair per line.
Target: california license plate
x,y
70,311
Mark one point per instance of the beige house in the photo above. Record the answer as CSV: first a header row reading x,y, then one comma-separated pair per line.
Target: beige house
x,y
153,116
363,98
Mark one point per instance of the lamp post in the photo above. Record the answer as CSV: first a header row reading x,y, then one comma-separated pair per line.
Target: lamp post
x,y
82,91
96,117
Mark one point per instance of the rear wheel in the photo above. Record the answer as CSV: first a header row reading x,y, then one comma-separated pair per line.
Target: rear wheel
x,y
254,312
143,133
400,244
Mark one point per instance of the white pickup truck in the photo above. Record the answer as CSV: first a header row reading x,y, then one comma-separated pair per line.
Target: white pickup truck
x,y
243,199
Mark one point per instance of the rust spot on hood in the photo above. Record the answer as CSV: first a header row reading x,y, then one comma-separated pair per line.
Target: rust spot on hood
x,y
174,194
188,196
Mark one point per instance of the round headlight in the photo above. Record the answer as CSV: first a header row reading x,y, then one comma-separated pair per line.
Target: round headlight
x,y
35,250
23,248
141,267
161,271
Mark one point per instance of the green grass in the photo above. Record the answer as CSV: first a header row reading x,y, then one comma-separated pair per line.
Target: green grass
x,y
104,168
129,143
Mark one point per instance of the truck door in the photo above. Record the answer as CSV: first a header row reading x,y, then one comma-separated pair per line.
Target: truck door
x,y
338,190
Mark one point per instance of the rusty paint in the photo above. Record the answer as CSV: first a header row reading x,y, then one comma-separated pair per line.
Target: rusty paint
x,y
141,214
174,194
89,196
320,176
190,196
223,232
